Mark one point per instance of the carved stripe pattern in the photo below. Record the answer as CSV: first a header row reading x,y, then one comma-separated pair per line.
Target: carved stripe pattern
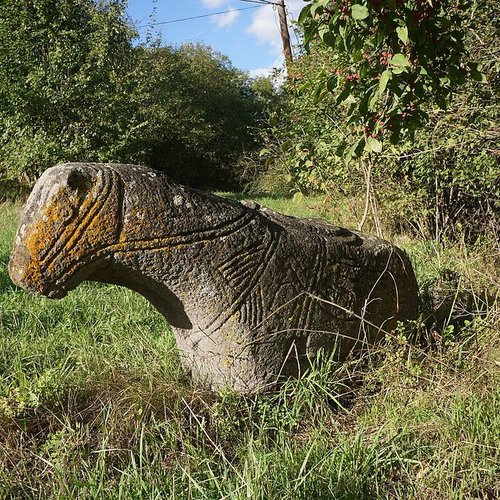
x,y
319,268
158,244
214,233
238,304
70,237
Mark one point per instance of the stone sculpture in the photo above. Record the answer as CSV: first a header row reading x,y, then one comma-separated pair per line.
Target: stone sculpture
x,y
250,294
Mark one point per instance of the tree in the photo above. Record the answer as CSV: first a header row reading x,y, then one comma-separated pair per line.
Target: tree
x,y
443,182
63,82
197,113
74,88
389,60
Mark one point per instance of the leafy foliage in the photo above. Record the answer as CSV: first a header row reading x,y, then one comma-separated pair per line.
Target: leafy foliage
x,y
388,59
444,182
63,82
303,134
196,113
74,88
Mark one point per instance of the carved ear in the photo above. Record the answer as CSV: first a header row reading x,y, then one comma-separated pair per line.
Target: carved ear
x,y
79,180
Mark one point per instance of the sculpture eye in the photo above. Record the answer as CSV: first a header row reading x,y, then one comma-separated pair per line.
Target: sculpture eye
x,y
77,180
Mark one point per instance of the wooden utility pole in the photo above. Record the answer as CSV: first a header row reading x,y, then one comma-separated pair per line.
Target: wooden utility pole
x,y
285,36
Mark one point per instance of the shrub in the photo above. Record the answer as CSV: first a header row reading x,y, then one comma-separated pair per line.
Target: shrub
x,y
443,182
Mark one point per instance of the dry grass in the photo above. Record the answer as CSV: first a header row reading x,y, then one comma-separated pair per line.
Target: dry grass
x,y
93,404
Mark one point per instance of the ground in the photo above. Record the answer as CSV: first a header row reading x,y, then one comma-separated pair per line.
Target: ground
x,y
93,403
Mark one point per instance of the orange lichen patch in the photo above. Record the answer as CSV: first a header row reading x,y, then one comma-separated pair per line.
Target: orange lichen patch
x,y
71,226
45,229
39,240
141,223
95,232
26,273
100,233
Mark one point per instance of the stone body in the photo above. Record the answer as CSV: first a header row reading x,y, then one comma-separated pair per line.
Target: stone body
x,y
250,294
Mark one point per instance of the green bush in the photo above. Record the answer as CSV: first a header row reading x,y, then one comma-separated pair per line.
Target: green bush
x,y
63,83
443,183
74,88
196,113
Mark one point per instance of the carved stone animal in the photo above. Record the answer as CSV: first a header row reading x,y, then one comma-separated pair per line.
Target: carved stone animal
x,y
250,294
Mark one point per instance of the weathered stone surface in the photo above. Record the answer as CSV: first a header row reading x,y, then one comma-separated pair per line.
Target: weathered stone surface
x,y
249,293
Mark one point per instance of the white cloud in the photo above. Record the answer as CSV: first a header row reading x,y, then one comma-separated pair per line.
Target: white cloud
x,y
265,28
294,7
276,71
265,25
214,4
258,72
225,20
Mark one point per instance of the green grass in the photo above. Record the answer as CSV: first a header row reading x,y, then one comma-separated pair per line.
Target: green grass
x,y
93,403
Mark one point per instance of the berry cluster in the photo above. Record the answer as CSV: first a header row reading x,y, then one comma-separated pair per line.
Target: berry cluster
x,y
343,5
384,58
376,125
381,42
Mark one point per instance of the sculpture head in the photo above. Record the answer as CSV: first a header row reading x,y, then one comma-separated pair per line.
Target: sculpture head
x,y
70,218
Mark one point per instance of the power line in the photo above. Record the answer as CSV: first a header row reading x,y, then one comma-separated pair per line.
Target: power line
x,y
207,15
262,2
292,25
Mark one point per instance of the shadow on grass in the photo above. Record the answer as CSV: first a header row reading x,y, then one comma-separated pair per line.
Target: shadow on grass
x,y
253,196
448,308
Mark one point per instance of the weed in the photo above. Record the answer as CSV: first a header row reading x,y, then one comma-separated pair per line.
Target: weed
x,y
93,403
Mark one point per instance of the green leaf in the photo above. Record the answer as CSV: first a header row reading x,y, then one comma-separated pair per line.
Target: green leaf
x,y
344,94
332,83
321,4
340,151
478,76
358,149
319,94
359,12
384,79
444,81
373,101
350,99
304,13
328,38
403,34
373,145
342,32
400,61
357,56
355,150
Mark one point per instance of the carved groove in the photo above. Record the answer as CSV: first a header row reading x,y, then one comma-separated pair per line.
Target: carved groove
x,y
204,236
86,206
240,291
82,224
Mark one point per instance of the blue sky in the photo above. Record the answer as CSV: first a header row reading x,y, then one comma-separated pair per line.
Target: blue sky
x,y
250,37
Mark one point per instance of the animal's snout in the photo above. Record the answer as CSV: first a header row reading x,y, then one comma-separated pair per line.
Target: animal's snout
x,y
25,271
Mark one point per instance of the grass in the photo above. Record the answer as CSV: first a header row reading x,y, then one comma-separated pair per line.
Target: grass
x,y
93,403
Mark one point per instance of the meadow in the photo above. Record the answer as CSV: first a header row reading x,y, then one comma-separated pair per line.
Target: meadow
x,y
93,403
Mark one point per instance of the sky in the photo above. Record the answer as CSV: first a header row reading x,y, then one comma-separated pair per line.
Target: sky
x,y
250,38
